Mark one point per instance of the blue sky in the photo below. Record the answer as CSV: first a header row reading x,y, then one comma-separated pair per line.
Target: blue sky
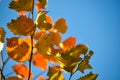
x,y
93,22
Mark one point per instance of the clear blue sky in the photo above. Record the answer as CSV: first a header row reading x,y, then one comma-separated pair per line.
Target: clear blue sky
x,y
93,22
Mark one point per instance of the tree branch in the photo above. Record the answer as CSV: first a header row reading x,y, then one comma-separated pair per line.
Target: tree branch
x,y
32,12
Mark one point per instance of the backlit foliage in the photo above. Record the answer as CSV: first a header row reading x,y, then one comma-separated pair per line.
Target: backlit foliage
x,y
39,42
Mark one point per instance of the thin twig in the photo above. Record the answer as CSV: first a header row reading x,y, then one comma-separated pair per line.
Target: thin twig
x,y
32,12
3,65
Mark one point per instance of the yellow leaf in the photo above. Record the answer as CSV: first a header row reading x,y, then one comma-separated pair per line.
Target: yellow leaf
x,y
41,21
46,41
21,5
61,25
22,70
13,78
18,49
55,73
22,26
56,38
40,61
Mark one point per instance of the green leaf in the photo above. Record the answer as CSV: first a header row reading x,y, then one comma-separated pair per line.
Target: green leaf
x,y
55,73
43,2
89,76
84,64
2,34
22,26
41,22
21,5
61,25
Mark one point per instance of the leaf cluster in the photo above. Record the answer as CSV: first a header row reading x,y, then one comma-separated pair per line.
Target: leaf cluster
x,y
42,43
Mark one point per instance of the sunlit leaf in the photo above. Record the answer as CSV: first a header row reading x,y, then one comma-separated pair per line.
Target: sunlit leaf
x,y
22,26
69,43
69,59
39,6
40,61
21,5
47,41
56,37
41,21
43,2
41,78
55,73
61,25
89,76
22,70
51,56
13,78
18,49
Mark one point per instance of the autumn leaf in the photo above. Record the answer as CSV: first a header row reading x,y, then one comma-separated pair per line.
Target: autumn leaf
x,y
89,76
41,21
21,5
46,41
39,6
61,25
37,35
43,2
2,35
51,56
22,26
55,73
18,49
49,20
69,59
41,78
40,61
13,78
85,62
22,12
22,70
69,43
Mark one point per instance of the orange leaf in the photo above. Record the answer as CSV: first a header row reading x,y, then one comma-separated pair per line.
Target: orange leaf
x,y
39,34
22,12
69,43
40,61
22,70
18,49
39,6
41,78
49,20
